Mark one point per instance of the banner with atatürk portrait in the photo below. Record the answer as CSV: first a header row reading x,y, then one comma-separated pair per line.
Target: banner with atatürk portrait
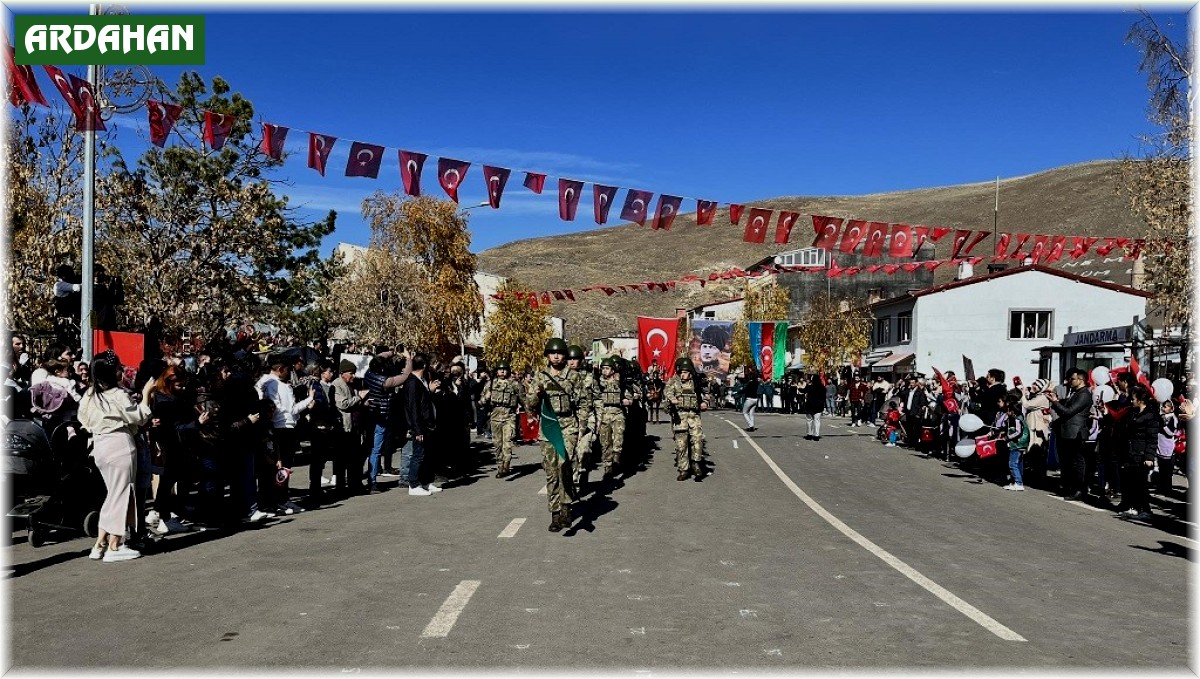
x,y
709,348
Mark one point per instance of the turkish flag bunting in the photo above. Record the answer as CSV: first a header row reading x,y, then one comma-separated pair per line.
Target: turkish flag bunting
x,y
1003,240
1022,239
937,233
974,261
570,294
826,230
1109,245
63,84
920,233
558,295
1057,246
932,264
88,117
756,225
705,210
1038,250
852,270
451,174
874,268
664,213
911,266
496,178
608,292
834,271
545,299
217,127
568,198
319,146
656,343
853,234
735,213
975,241
364,160
902,241
1136,249
162,119
272,143
783,228
876,234
890,269
533,301
636,205
535,182
1080,246
411,163
602,200
24,87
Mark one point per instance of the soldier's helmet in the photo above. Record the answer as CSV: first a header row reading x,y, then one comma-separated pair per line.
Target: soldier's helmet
x,y
683,363
575,351
555,345
609,361
503,365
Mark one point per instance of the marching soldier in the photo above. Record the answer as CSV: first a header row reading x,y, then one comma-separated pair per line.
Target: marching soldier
x,y
585,385
613,397
555,386
686,400
502,395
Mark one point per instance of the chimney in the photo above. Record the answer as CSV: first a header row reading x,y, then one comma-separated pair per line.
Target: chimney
x,y
965,270
1138,280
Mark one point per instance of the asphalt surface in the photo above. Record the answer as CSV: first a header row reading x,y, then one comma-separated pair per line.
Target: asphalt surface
x,y
792,555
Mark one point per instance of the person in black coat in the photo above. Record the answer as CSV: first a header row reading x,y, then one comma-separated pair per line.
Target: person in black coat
x,y
1137,458
814,405
422,425
1071,427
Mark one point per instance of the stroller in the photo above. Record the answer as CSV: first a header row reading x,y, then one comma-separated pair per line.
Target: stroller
x,y
54,483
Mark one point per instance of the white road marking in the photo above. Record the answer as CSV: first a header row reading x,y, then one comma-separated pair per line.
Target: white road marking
x,y
542,491
512,528
735,444
1083,504
907,571
443,621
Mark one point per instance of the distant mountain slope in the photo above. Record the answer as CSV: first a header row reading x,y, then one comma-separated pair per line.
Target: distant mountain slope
x,y
1073,200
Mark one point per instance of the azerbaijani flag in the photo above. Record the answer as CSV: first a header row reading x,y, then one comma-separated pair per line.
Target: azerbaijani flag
x,y
768,342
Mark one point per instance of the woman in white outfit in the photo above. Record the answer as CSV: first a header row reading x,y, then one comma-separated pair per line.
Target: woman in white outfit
x,y
113,419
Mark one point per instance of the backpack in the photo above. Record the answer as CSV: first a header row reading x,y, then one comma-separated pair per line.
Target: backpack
x,y
1022,440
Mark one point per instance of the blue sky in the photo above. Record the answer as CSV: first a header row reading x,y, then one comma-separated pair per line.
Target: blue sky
x,y
719,105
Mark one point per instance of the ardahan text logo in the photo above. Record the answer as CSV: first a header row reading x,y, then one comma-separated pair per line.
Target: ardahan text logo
x,y
121,40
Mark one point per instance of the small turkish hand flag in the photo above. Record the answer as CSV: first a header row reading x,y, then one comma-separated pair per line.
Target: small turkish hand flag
x,y
496,178
705,209
451,174
411,163
272,143
568,198
162,119
783,228
664,213
319,147
826,229
636,205
602,200
985,447
364,160
217,127
756,225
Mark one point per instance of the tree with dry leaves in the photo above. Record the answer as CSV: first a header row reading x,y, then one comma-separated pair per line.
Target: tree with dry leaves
x,y
431,235
516,331
1159,184
378,298
768,302
832,333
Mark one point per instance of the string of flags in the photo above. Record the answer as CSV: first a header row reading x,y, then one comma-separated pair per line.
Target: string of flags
x,y
365,160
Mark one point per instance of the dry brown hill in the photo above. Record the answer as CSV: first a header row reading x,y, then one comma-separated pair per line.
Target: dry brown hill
x,y
1073,200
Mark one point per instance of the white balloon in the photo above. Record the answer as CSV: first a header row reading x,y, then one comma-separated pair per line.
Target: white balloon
x,y
970,423
965,448
1163,389
1100,375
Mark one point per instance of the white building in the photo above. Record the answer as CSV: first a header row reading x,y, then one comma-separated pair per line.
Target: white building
x,y
1011,320
729,310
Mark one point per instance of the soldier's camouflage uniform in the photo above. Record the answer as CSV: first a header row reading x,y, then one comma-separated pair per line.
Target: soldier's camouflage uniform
x,y
685,422
609,393
503,395
585,386
561,394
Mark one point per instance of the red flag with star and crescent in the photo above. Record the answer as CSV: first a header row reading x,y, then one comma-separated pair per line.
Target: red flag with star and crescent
x,y
876,234
901,244
162,119
88,117
656,342
783,228
735,213
364,160
451,173
568,198
826,230
23,87
63,84
637,203
705,210
664,213
602,200
535,181
319,147
273,138
217,127
852,235
495,178
411,163
756,225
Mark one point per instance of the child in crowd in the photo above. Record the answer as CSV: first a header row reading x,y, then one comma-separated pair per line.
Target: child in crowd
x,y
893,430
1010,423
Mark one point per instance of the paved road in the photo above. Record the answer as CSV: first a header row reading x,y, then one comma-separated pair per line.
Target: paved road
x,y
836,554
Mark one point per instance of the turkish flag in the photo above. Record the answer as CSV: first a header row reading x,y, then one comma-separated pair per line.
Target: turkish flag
x,y
535,182
1038,250
636,205
1080,246
705,210
826,230
853,235
88,117
24,87
162,119
911,266
756,225
876,233
783,228
656,343
602,200
568,198
1057,245
932,264
735,213
411,163
975,241
570,294
217,127
665,211
319,146
496,178
902,241
1109,245
1003,240
272,143
1136,250
937,233
1022,239
920,233
364,160
63,84
874,268
890,269
985,447
451,174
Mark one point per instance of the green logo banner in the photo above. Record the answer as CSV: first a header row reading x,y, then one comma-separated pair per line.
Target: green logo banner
x,y
117,40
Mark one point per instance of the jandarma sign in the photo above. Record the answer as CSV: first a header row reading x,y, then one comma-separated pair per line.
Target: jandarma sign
x,y
123,40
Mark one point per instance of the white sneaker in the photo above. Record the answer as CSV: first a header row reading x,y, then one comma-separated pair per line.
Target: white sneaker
x,y
1011,486
889,445
121,553
433,488
97,552
1018,487
259,515
152,517
331,481
419,491
384,474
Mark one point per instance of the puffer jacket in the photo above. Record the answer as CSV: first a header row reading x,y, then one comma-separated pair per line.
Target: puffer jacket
x,y
1142,429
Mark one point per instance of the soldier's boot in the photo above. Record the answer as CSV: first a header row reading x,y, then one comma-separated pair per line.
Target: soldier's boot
x,y
608,472
697,470
556,523
500,471
564,516
683,474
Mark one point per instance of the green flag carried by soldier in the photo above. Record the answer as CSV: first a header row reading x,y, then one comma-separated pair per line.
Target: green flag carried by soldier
x,y
552,430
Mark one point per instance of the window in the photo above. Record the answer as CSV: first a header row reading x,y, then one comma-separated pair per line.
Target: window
x,y
710,314
904,326
883,331
1029,324
805,257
